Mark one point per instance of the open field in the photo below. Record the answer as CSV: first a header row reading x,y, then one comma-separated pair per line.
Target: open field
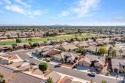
x,y
61,37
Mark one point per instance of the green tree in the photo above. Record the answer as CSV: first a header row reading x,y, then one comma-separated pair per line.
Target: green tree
x,y
29,39
43,66
49,80
84,51
120,51
110,51
18,40
102,50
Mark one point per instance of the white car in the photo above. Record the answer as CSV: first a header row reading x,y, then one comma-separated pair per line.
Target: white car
x,y
92,74
25,60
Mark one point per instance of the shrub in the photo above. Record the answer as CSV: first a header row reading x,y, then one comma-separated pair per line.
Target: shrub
x,y
36,44
43,66
10,48
103,81
11,62
18,40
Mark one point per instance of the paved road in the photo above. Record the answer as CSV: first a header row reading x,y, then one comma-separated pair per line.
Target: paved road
x,y
71,72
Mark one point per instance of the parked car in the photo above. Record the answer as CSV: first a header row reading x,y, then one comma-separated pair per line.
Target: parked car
x,y
25,60
57,66
30,56
33,63
92,74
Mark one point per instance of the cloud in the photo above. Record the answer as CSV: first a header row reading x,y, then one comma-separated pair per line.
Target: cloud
x,y
83,7
15,8
18,9
8,1
63,13
23,3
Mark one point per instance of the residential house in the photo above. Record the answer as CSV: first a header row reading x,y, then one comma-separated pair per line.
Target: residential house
x,y
83,44
68,47
26,78
69,57
50,52
117,65
99,61
54,75
65,79
8,72
85,61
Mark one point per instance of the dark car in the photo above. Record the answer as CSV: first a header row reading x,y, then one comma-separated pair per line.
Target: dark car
x,y
57,66
91,74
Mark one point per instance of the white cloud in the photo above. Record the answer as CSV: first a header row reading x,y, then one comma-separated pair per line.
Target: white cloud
x,y
18,9
15,8
23,3
8,1
83,7
63,13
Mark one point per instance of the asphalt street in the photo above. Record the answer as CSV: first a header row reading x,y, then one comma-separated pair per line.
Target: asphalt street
x,y
71,72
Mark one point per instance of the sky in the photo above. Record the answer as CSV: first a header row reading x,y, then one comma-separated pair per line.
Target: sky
x,y
62,12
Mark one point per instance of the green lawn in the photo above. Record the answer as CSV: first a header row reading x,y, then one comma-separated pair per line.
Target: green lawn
x,y
62,37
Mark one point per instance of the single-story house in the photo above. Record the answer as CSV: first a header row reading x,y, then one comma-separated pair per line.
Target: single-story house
x,y
8,72
117,65
99,60
85,61
51,52
26,78
65,79
69,56
92,48
83,44
68,47
54,75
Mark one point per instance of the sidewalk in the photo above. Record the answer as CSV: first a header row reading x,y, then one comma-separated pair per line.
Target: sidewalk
x,y
74,78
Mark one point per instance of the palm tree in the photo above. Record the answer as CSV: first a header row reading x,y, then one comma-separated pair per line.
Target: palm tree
x,y
114,53
110,51
120,51
49,80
